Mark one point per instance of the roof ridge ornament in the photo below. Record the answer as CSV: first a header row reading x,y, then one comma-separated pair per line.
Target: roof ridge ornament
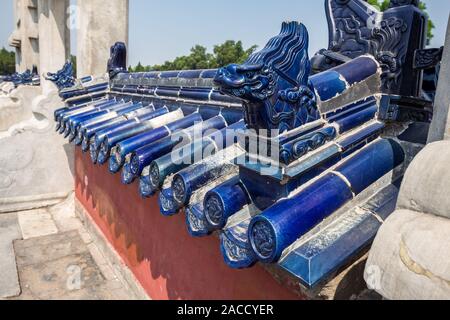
x,y
64,78
274,82
117,62
357,28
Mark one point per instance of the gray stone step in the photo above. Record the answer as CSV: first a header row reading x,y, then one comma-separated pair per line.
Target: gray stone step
x,y
9,279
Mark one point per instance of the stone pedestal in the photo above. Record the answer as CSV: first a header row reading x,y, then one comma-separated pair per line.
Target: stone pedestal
x,y
408,257
36,163
101,25
440,127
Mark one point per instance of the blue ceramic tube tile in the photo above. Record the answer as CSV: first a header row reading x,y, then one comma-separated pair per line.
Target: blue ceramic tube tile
x,y
328,84
224,201
64,118
371,163
132,144
187,181
165,166
74,121
288,220
139,133
350,109
100,136
87,109
209,74
89,131
354,120
372,129
190,74
285,222
335,245
146,155
360,69
62,111
111,116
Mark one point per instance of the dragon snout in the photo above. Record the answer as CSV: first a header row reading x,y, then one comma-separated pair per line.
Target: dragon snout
x,y
220,75
228,76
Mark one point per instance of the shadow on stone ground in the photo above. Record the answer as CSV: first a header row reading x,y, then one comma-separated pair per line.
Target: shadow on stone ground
x,y
61,267
46,254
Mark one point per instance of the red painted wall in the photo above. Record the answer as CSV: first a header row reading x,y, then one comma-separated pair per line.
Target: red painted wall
x,y
166,260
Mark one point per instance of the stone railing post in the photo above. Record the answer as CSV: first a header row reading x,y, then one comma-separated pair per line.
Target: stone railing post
x,y
440,127
25,36
54,38
101,25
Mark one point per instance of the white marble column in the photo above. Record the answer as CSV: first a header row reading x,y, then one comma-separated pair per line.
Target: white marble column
x,y
440,127
101,24
54,38
26,34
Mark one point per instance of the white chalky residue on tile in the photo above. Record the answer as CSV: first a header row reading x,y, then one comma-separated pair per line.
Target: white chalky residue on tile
x,y
166,119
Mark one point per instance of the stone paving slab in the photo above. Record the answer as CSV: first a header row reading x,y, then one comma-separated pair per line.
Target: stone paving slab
x,y
36,223
57,278
63,267
9,280
46,249
99,292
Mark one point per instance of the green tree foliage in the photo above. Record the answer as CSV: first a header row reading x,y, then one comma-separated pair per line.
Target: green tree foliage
x,y
380,4
431,24
384,5
139,68
231,52
199,58
7,62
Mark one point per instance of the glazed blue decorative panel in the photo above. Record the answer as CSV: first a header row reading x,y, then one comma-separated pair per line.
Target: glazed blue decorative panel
x,y
356,28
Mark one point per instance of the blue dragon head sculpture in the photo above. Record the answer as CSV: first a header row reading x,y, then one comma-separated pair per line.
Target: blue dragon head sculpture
x,y
274,82
63,78
28,78
117,62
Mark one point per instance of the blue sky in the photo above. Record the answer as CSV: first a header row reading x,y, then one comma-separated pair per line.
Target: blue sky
x,y
161,30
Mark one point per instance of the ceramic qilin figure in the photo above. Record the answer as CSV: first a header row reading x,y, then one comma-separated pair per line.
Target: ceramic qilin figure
x,y
117,62
274,83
